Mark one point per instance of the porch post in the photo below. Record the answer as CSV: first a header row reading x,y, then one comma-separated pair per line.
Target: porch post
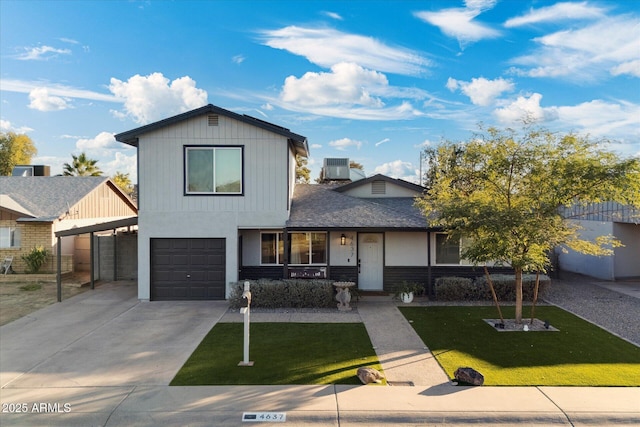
x,y
59,269
431,289
285,253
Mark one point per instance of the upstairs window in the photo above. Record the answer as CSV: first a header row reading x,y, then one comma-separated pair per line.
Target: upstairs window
x,y
213,170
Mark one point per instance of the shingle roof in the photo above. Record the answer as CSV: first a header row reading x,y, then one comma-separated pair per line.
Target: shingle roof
x,y
48,197
320,206
131,137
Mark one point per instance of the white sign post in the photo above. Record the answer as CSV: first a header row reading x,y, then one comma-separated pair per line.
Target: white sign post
x,y
246,310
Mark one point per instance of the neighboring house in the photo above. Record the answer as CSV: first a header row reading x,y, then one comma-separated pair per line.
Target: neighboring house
x,y
219,203
34,208
602,219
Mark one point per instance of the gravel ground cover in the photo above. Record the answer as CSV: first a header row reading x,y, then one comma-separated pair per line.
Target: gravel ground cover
x,y
617,313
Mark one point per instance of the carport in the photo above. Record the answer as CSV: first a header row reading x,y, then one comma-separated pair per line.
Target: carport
x,y
89,229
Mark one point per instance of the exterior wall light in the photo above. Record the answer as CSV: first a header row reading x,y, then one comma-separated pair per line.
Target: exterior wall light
x,y
343,240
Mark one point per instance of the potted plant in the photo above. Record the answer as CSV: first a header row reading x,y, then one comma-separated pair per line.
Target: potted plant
x,y
406,290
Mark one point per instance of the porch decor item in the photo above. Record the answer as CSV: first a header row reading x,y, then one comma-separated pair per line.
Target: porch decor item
x,y
343,296
405,291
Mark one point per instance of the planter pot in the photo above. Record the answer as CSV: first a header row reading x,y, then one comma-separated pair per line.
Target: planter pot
x,y
406,297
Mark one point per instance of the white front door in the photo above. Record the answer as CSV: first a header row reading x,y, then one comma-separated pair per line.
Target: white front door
x,y
370,261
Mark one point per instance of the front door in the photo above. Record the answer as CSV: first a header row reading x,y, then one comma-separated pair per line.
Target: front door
x,y
370,261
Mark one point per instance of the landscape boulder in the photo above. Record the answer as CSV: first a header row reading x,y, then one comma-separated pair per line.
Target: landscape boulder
x,y
469,376
369,375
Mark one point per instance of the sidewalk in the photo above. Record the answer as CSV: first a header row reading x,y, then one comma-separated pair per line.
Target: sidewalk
x,y
105,359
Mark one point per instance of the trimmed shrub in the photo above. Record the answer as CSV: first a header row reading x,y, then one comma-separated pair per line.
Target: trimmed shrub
x,y
456,289
505,286
291,293
464,289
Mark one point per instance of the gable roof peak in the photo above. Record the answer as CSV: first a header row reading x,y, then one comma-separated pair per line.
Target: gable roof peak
x,y
131,137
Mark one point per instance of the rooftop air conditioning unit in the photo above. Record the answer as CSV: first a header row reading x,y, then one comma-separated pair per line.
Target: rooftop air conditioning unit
x,y
336,169
30,170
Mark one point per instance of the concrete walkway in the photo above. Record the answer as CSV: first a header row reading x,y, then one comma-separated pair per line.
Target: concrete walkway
x,y
103,358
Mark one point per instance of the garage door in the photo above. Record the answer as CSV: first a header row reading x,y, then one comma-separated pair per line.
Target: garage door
x,y
187,269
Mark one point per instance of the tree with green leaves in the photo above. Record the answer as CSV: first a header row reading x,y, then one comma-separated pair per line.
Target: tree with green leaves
x,y
15,149
303,173
123,182
504,191
81,166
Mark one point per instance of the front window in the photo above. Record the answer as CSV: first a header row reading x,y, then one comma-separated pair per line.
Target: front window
x,y
9,237
447,250
213,170
272,248
307,248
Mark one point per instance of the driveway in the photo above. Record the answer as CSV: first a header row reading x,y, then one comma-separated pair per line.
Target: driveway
x,y
129,342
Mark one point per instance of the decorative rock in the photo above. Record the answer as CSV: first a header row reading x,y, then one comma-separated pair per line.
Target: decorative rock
x,y
369,375
469,376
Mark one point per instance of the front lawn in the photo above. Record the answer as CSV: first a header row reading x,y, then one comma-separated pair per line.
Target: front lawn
x,y
580,354
283,353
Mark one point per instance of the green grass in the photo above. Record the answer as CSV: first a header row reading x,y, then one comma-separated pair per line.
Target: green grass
x,y
283,353
31,287
580,354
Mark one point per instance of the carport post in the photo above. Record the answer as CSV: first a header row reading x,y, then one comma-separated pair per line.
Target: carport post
x,y
91,255
59,272
115,254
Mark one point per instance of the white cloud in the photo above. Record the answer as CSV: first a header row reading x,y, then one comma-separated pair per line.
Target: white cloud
x,y
522,109
459,22
153,97
6,126
632,68
557,12
327,47
121,163
597,118
238,59
316,146
399,169
333,15
601,118
267,107
481,91
344,143
347,91
53,89
42,100
347,83
382,141
41,53
585,53
100,144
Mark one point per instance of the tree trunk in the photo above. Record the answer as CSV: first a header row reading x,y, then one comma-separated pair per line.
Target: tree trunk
x,y
493,292
518,295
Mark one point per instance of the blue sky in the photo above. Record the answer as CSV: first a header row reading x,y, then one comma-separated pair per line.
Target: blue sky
x,y
374,81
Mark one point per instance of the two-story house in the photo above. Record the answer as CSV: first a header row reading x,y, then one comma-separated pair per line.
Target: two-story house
x,y
218,203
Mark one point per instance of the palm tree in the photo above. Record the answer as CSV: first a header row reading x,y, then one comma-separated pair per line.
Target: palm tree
x,y
82,166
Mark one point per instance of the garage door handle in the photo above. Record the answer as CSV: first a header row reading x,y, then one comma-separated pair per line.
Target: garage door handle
x,y
188,276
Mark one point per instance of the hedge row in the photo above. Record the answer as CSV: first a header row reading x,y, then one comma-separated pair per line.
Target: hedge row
x,y
465,289
294,293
